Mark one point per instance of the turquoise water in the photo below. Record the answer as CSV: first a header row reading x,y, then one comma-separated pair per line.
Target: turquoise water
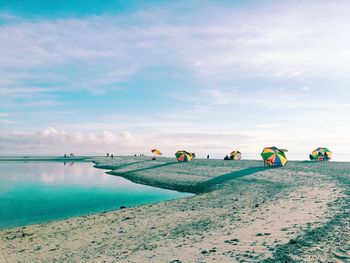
x,y
37,192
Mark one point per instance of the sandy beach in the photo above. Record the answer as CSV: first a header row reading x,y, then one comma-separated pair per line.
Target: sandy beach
x,y
174,131
241,212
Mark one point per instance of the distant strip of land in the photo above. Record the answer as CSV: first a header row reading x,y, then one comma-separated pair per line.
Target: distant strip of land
x,y
47,158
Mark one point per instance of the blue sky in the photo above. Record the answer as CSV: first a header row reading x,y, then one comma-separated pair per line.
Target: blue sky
x,y
126,76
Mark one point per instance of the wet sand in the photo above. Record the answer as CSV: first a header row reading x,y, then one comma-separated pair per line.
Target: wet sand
x,y
241,213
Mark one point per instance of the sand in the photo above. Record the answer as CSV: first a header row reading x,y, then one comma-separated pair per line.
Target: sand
x,y
241,213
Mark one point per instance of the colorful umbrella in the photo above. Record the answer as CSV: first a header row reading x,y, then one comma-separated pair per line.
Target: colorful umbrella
x,y
236,155
156,152
322,154
273,156
183,156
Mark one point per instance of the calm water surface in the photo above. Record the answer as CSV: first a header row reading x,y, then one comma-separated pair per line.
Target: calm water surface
x,y
36,192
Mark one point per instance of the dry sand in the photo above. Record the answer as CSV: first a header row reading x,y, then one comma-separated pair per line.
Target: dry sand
x,y
241,213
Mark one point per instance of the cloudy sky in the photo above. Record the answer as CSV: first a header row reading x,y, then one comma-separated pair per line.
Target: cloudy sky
x,y
92,77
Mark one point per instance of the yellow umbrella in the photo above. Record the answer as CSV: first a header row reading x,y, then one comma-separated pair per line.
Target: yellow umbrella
x,y
183,156
156,152
274,156
236,155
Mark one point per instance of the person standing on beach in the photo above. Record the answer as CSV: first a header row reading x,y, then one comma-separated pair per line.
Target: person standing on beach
x,y
208,156
326,158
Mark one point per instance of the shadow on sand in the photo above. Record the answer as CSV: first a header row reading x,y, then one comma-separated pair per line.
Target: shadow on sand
x,y
115,167
197,188
212,183
151,167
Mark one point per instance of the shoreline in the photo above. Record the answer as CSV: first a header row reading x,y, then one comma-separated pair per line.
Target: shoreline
x,y
141,172
47,159
241,212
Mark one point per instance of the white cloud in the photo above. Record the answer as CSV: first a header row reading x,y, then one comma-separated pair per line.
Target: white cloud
x,y
4,118
20,91
41,103
281,41
5,121
51,140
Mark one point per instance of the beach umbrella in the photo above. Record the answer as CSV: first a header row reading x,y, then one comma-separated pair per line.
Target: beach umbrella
x,y
274,156
236,155
322,154
183,156
156,152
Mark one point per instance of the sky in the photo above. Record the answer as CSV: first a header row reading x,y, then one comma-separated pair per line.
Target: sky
x,y
92,77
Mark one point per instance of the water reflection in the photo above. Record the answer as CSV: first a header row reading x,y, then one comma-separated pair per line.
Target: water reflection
x,y
56,173
34,192
71,163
